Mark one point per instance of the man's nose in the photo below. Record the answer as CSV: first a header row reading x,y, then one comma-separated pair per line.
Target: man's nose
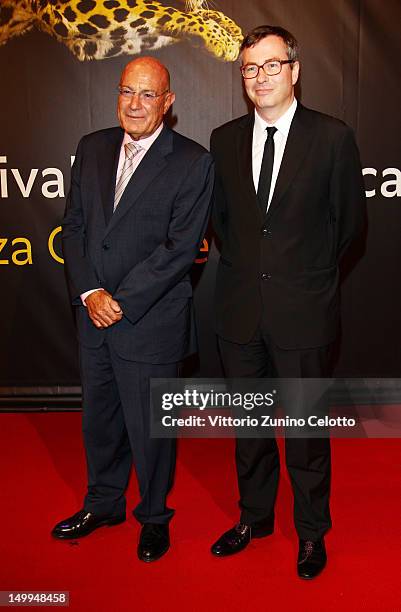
x,y
262,76
135,101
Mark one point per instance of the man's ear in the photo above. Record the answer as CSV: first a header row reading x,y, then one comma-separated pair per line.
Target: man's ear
x,y
295,72
170,99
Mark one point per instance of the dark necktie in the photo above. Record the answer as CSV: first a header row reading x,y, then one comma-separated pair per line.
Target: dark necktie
x,y
266,170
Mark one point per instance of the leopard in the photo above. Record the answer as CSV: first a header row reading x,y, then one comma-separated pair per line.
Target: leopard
x,y
100,29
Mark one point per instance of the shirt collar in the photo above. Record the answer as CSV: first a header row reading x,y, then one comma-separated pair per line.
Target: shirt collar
x,y
282,124
145,143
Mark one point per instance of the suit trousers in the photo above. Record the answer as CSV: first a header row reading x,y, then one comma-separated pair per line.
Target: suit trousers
x,y
257,460
116,430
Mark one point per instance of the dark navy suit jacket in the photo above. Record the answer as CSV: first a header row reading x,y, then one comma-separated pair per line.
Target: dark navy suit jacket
x,y
141,253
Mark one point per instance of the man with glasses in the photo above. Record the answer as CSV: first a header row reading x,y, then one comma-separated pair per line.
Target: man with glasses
x,y
135,218
289,199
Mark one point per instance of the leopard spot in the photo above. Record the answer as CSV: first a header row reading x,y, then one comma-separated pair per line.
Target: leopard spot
x,y
61,30
147,14
120,14
180,19
137,23
90,48
86,28
100,21
86,5
115,50
46,18
148,42
151,7
131,3
163,20
69,14
118,33
43,4
110,4
143,31
6,14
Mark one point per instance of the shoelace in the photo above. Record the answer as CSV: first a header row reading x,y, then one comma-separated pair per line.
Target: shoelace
x,y
307,550
240,530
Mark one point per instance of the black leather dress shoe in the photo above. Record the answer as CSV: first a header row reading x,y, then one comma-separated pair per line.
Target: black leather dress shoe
x,y
236,539
154,542
232,541
311,558
83,523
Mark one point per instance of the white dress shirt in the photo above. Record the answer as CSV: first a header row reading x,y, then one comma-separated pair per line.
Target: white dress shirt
x,y
144,144
283,125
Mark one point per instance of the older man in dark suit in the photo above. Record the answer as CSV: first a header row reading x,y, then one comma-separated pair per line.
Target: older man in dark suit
x,y
135,217
289,200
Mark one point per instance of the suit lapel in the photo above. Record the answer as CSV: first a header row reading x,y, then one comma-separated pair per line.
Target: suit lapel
x,y
244,158
107,161
296,148
150,166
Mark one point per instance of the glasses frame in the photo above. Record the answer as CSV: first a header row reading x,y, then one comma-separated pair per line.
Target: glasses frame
x,y
281,62
144,96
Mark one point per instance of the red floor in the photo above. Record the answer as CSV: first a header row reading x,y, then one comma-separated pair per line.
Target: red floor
x,y
43,480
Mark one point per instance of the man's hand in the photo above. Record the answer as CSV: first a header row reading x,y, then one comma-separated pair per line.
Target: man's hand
x,y
102,309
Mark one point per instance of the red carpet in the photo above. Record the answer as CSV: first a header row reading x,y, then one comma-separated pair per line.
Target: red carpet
x,y
43,480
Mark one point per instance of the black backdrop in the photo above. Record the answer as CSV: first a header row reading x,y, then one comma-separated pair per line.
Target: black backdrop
x,y
350,58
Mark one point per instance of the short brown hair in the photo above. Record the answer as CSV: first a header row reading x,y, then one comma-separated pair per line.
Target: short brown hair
x,y
257,34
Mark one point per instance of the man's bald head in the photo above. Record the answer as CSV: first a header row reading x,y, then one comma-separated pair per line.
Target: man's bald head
x,y
145,96
150,64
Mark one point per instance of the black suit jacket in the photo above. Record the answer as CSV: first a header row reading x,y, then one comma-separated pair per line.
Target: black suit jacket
x,y
285,262
143,252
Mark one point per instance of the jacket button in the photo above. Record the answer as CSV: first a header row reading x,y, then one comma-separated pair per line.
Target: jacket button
x,y
266,233
265,276
106,247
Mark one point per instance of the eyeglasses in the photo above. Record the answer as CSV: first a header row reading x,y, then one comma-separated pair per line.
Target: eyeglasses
x,y
144,96
270,68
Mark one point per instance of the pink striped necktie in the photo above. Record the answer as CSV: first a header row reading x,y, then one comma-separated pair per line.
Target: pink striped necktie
x,y
131,150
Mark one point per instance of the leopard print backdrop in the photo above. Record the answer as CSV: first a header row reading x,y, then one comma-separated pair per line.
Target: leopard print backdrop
x,y
107,28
